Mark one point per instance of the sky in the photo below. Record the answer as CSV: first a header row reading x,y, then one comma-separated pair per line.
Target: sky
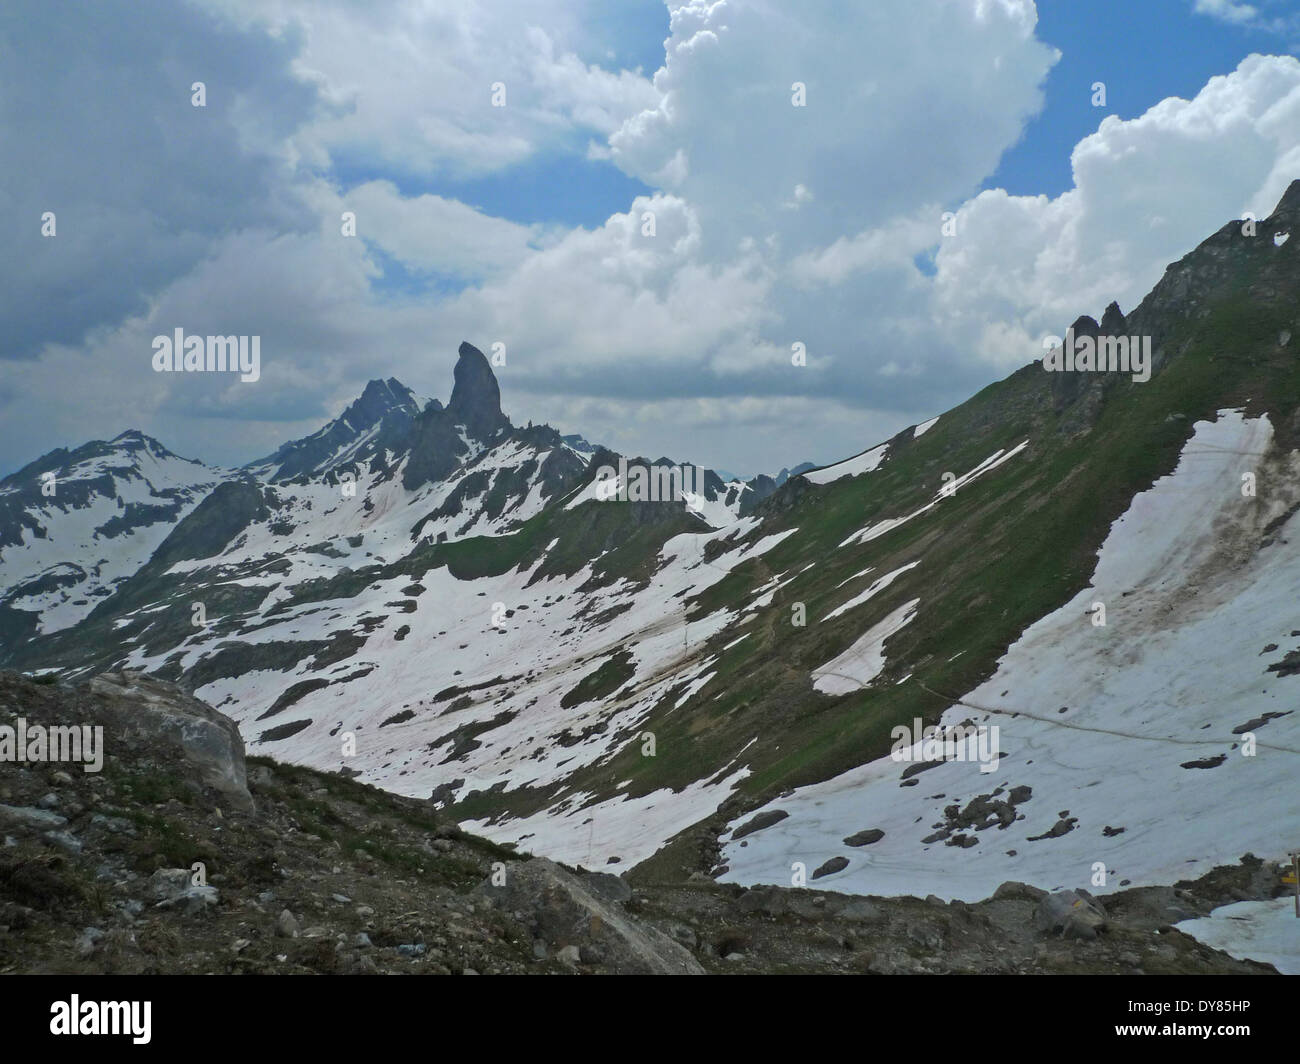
x,y
651,205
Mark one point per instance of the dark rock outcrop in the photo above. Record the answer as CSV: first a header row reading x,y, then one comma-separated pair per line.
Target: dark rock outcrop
x,y
437,446
476,396
156,712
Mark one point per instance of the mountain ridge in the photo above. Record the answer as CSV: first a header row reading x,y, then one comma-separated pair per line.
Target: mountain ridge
x,y
498,637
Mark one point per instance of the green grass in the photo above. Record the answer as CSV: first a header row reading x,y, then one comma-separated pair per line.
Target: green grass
x,y
601,683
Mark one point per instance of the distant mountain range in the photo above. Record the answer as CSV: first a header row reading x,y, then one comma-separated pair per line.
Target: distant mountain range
x,y
113,502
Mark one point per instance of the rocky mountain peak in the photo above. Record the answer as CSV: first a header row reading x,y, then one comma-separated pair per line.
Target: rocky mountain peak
x,y
378,419
1289,204
381,397
1113,322
133,440
1085,325
476,396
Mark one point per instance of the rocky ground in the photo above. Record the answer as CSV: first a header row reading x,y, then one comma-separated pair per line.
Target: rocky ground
x,y
180,857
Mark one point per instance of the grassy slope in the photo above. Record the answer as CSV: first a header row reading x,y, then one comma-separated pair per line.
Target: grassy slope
x,y
1009,548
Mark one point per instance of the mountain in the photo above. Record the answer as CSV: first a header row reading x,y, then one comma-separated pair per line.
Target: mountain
x,y
75,524
373,426
712,685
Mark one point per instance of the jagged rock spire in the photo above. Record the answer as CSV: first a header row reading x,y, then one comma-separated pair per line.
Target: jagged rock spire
x,y
476,397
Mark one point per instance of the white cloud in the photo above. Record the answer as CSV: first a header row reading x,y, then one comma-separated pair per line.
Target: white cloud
x,y
774,225
906,103
706,310
891,246
436,234
1146,191
1227,10
614,307
417,80
1265,18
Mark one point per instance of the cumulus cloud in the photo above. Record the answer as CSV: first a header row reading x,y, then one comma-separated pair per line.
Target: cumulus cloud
x,y
415,81
656,317
435,234
669,326
904,103
1145,192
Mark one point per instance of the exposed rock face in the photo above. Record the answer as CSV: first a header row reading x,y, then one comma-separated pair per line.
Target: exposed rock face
x,y
218,519
436,444
476,397
1112,321
1068,387
379,399
156,711
378,421
566,914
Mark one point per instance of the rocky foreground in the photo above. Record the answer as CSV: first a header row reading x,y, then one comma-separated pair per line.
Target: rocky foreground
x,y
180,857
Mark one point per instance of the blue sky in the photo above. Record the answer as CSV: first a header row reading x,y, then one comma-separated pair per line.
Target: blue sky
x,y
555,188
1143,51
1163,49
648,225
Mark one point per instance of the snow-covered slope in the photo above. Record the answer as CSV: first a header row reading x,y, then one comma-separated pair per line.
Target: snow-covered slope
x,y
74,525
1108,726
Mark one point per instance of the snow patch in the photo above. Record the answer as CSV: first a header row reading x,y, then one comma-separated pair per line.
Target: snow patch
x,y
865,659
1264,931
866,462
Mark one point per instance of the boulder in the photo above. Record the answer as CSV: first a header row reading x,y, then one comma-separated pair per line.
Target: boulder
x,y
158,712
829,868
860,911
1071,914
1150,908
29,818
610,888
1014,891
758,822
174,889
865,838
770,901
